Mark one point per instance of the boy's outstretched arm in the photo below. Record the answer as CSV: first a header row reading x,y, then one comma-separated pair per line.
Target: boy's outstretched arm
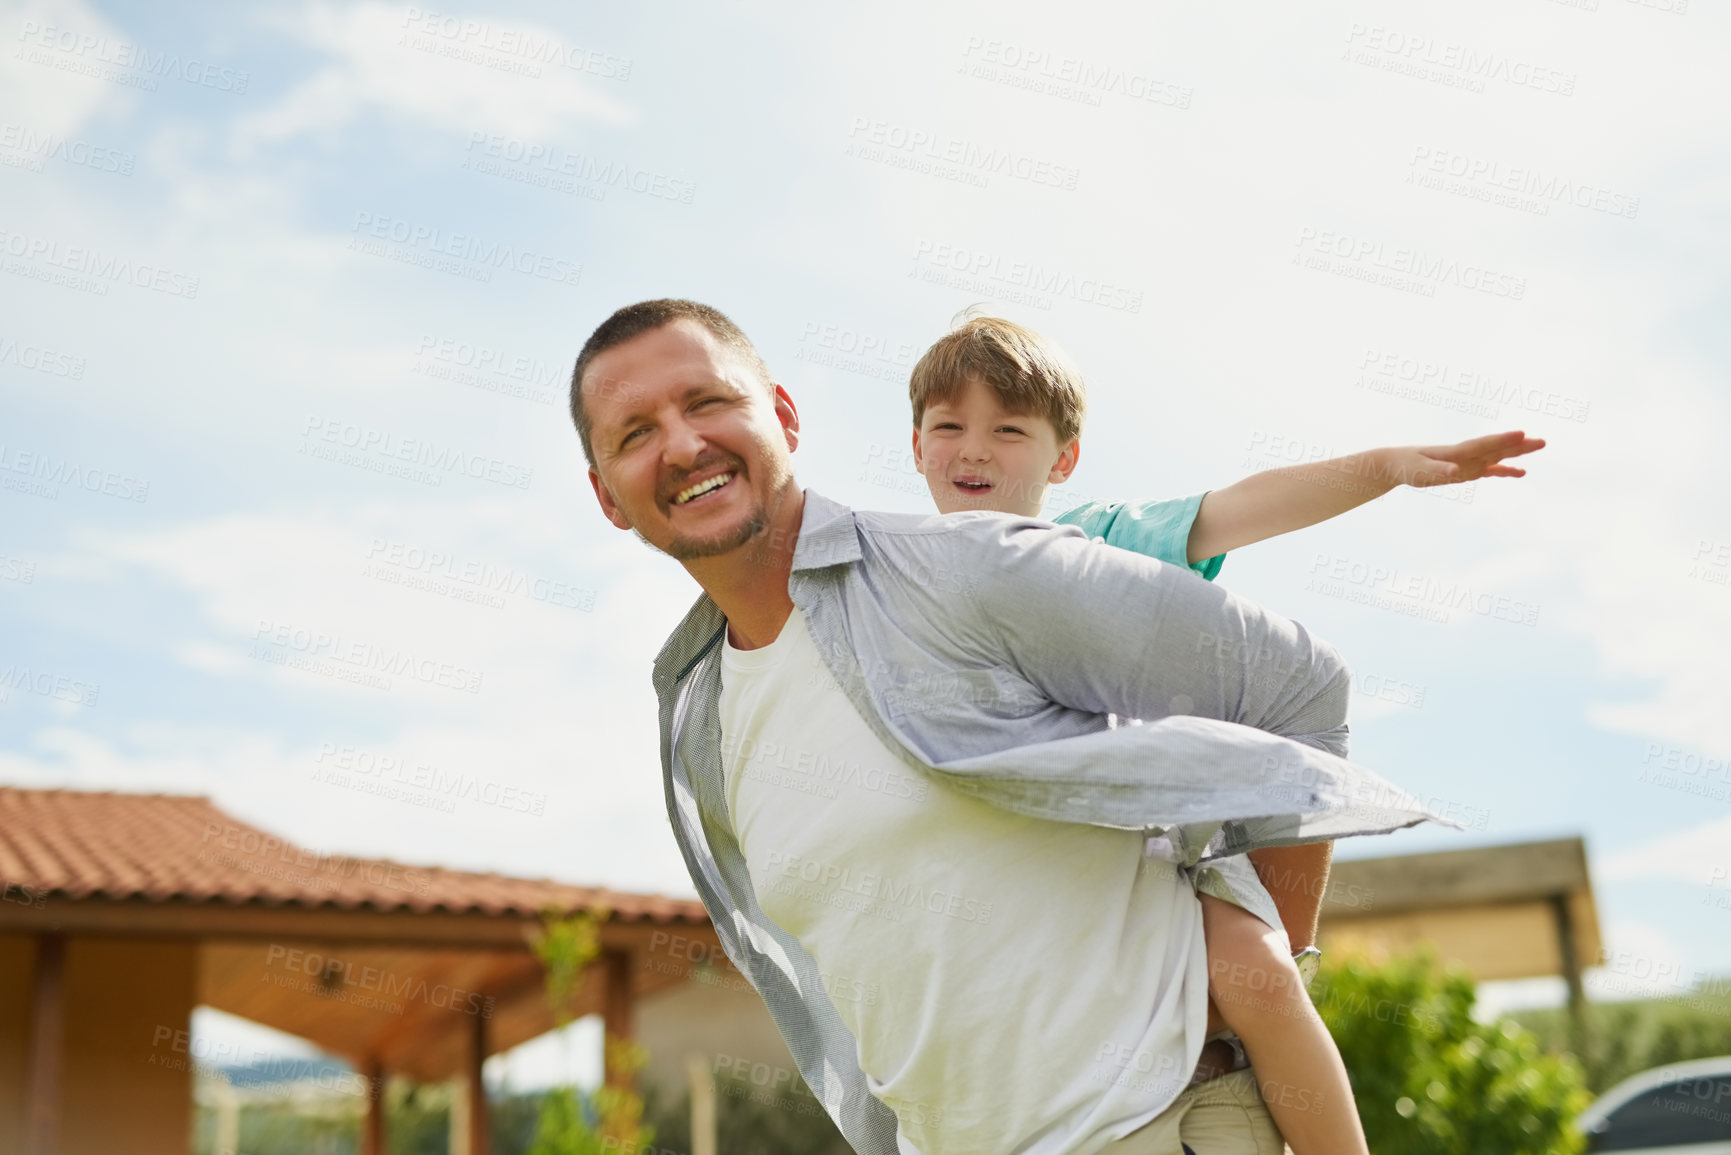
x,y
1278,501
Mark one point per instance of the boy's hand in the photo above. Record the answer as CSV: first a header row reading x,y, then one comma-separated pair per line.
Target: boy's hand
x,y
1422,467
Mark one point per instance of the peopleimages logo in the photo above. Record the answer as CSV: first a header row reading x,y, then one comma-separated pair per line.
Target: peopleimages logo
x,y
110,59
425,244
51,146
414,451
1025,280
886,141
1414,265
104,267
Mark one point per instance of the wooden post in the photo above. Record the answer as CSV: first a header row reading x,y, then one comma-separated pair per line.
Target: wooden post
x,y
373,1122
1570,957
616,1002
227,1111
702,1078
480,1135
47,1047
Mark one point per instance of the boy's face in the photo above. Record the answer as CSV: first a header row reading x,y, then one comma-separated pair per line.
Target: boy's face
x,y
976,454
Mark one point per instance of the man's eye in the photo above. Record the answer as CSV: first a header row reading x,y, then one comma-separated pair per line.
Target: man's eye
x,y
629,437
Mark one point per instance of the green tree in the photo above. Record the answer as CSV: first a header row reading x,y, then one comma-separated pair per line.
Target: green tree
x,y
1638,1035
1429,1080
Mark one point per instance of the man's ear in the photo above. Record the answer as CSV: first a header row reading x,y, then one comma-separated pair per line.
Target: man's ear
x,y
608,505
1066,463
919,454
787,415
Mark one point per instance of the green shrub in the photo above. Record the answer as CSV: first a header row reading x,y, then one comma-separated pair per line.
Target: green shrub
x,y
1429,1080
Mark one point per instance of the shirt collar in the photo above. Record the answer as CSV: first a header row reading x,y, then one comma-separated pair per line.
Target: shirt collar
x,y
826,534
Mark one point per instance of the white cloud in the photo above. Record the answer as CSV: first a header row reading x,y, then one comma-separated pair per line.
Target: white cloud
x,y
1700,855
55,100
551,770
454,77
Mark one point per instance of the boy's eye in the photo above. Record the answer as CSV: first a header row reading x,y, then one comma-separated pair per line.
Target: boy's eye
x,y
1008,429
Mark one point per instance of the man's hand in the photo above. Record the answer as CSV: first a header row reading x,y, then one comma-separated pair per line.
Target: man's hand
x,y
1426,466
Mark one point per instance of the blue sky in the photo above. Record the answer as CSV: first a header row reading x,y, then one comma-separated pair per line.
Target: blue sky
x,y
289,290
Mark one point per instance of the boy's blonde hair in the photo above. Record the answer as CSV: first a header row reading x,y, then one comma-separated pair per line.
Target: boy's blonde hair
x,y
1028,373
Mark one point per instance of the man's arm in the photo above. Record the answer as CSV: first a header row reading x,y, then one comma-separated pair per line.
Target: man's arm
x,y
1278,501
1296,877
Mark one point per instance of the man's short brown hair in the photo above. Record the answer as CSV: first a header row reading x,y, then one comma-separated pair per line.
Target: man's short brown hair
x,y
634,321
1027,372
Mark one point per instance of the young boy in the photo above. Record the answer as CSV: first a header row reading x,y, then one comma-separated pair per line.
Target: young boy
x,y
997,417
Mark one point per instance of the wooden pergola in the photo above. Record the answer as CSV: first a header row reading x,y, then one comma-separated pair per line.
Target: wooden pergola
x,y
1501,912
418,971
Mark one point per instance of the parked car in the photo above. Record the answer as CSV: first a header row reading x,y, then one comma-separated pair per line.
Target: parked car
x,y
1681,1109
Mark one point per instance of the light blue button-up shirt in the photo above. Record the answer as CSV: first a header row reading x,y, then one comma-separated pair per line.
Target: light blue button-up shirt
x,y
1000,653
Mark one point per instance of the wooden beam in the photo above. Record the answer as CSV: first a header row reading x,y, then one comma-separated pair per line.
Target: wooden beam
x,y
1529,871
42,1097
473,930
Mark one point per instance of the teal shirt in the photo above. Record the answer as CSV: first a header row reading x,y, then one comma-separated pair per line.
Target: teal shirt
x,y
1156,529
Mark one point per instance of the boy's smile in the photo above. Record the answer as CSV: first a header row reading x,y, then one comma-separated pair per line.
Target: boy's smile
x,y
976,454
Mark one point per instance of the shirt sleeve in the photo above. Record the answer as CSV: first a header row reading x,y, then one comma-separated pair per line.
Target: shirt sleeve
x,y
1124,634
1156,529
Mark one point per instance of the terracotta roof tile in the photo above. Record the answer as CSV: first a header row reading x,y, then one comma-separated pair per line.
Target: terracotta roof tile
x,y
163,847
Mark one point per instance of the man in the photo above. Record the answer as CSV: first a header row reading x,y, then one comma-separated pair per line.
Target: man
x,y
979,855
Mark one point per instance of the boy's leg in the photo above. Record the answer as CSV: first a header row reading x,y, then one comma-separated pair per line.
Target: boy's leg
x,y
1259,993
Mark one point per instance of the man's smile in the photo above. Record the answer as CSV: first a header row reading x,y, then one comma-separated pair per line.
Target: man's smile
x,y
708,485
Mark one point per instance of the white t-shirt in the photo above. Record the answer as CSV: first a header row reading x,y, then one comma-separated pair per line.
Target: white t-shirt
x,y
1015,984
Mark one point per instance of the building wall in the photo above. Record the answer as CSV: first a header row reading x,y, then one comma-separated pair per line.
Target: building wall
x,y
726,1023
128,1074
127,1080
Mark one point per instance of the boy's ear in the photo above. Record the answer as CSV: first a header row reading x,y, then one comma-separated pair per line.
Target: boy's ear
x,y
1066,463
919,456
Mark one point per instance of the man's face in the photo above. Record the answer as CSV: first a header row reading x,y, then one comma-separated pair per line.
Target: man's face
x,y
691,449
976,454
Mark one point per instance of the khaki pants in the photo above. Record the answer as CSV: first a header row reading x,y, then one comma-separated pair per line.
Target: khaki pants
x,y
1224,1116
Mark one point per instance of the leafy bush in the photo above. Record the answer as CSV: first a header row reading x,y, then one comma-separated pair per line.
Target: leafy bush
x,y
1429,1080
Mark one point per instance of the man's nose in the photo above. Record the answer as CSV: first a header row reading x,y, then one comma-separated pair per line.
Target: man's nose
x,y
683,444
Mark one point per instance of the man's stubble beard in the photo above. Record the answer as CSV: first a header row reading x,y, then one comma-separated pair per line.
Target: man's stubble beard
x,y
686,548
694,548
